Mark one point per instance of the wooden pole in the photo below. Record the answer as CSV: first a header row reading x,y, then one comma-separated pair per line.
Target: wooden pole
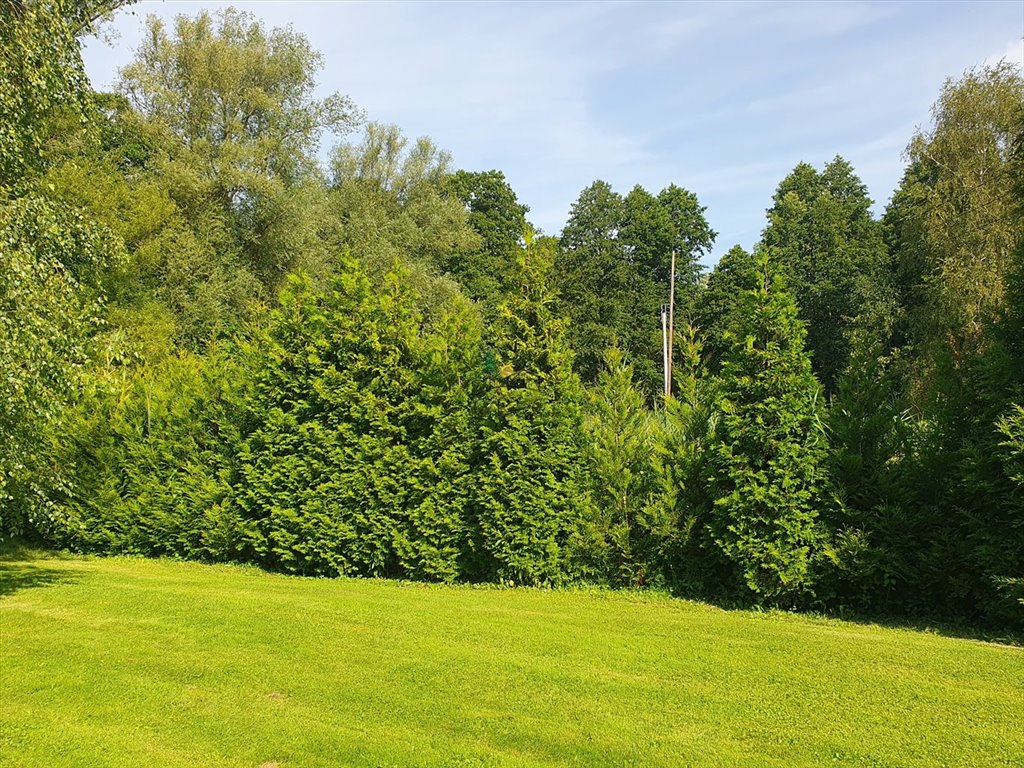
x,y
671,322
664,347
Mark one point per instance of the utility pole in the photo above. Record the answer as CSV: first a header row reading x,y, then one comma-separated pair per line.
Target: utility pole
x,y
671,325
664,348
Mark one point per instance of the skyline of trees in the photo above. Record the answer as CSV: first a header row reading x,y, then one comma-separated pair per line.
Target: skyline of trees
x,y
218,348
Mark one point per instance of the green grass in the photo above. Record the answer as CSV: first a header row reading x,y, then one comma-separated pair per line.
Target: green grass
x,y
124,662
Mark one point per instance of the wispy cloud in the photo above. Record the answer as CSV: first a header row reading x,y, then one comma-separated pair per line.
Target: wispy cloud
x,y
723,98
1013,52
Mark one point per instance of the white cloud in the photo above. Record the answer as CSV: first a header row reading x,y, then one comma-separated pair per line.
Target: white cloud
x,y
1013,53
723,98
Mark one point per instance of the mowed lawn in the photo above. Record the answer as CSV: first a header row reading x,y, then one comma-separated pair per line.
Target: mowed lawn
x,y
126,662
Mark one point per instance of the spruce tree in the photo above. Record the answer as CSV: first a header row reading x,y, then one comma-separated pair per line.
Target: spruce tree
x,y
769,449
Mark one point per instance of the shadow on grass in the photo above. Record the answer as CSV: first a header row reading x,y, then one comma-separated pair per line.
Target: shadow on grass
x,y
934,625
15,577
20,569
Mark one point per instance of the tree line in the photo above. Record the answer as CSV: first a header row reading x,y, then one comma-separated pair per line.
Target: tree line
x,y
216,346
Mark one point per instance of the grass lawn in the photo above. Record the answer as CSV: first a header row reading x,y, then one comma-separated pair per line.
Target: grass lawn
x,y
124,662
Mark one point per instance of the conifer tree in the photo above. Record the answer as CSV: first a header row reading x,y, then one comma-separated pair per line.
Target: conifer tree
x,y
530,487
683,465
768,456
148,455
871,463
356,459
621,439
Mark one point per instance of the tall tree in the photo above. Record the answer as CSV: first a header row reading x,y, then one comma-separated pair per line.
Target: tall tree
x,y
385,160
183,283
647,235
240,99
50,254
715,303
614,272
495,213
50,307
41,75
954,223
692,237
872,461
622,437
955,226
834,256
684,463
357,459
389,202
594,278
769,450
529,476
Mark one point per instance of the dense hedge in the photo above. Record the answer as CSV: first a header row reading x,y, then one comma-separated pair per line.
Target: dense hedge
x,y
356,459
348,437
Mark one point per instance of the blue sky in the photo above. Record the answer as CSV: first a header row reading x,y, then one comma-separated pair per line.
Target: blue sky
x,y
723,99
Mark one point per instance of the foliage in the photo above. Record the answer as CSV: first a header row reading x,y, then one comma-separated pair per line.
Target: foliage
x,y
622,436
955,229
51,255
415,409
690,236
614,272
183,283
49,310
833,254
150,456
239,101
385,161
355,460
1010,583
685,450
530,494
593,277
769,447
873,458
390,202
41,75
964,212
715,304
488,273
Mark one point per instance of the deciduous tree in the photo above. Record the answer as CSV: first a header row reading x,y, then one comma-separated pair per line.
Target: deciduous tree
x,y
240,101
833,254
